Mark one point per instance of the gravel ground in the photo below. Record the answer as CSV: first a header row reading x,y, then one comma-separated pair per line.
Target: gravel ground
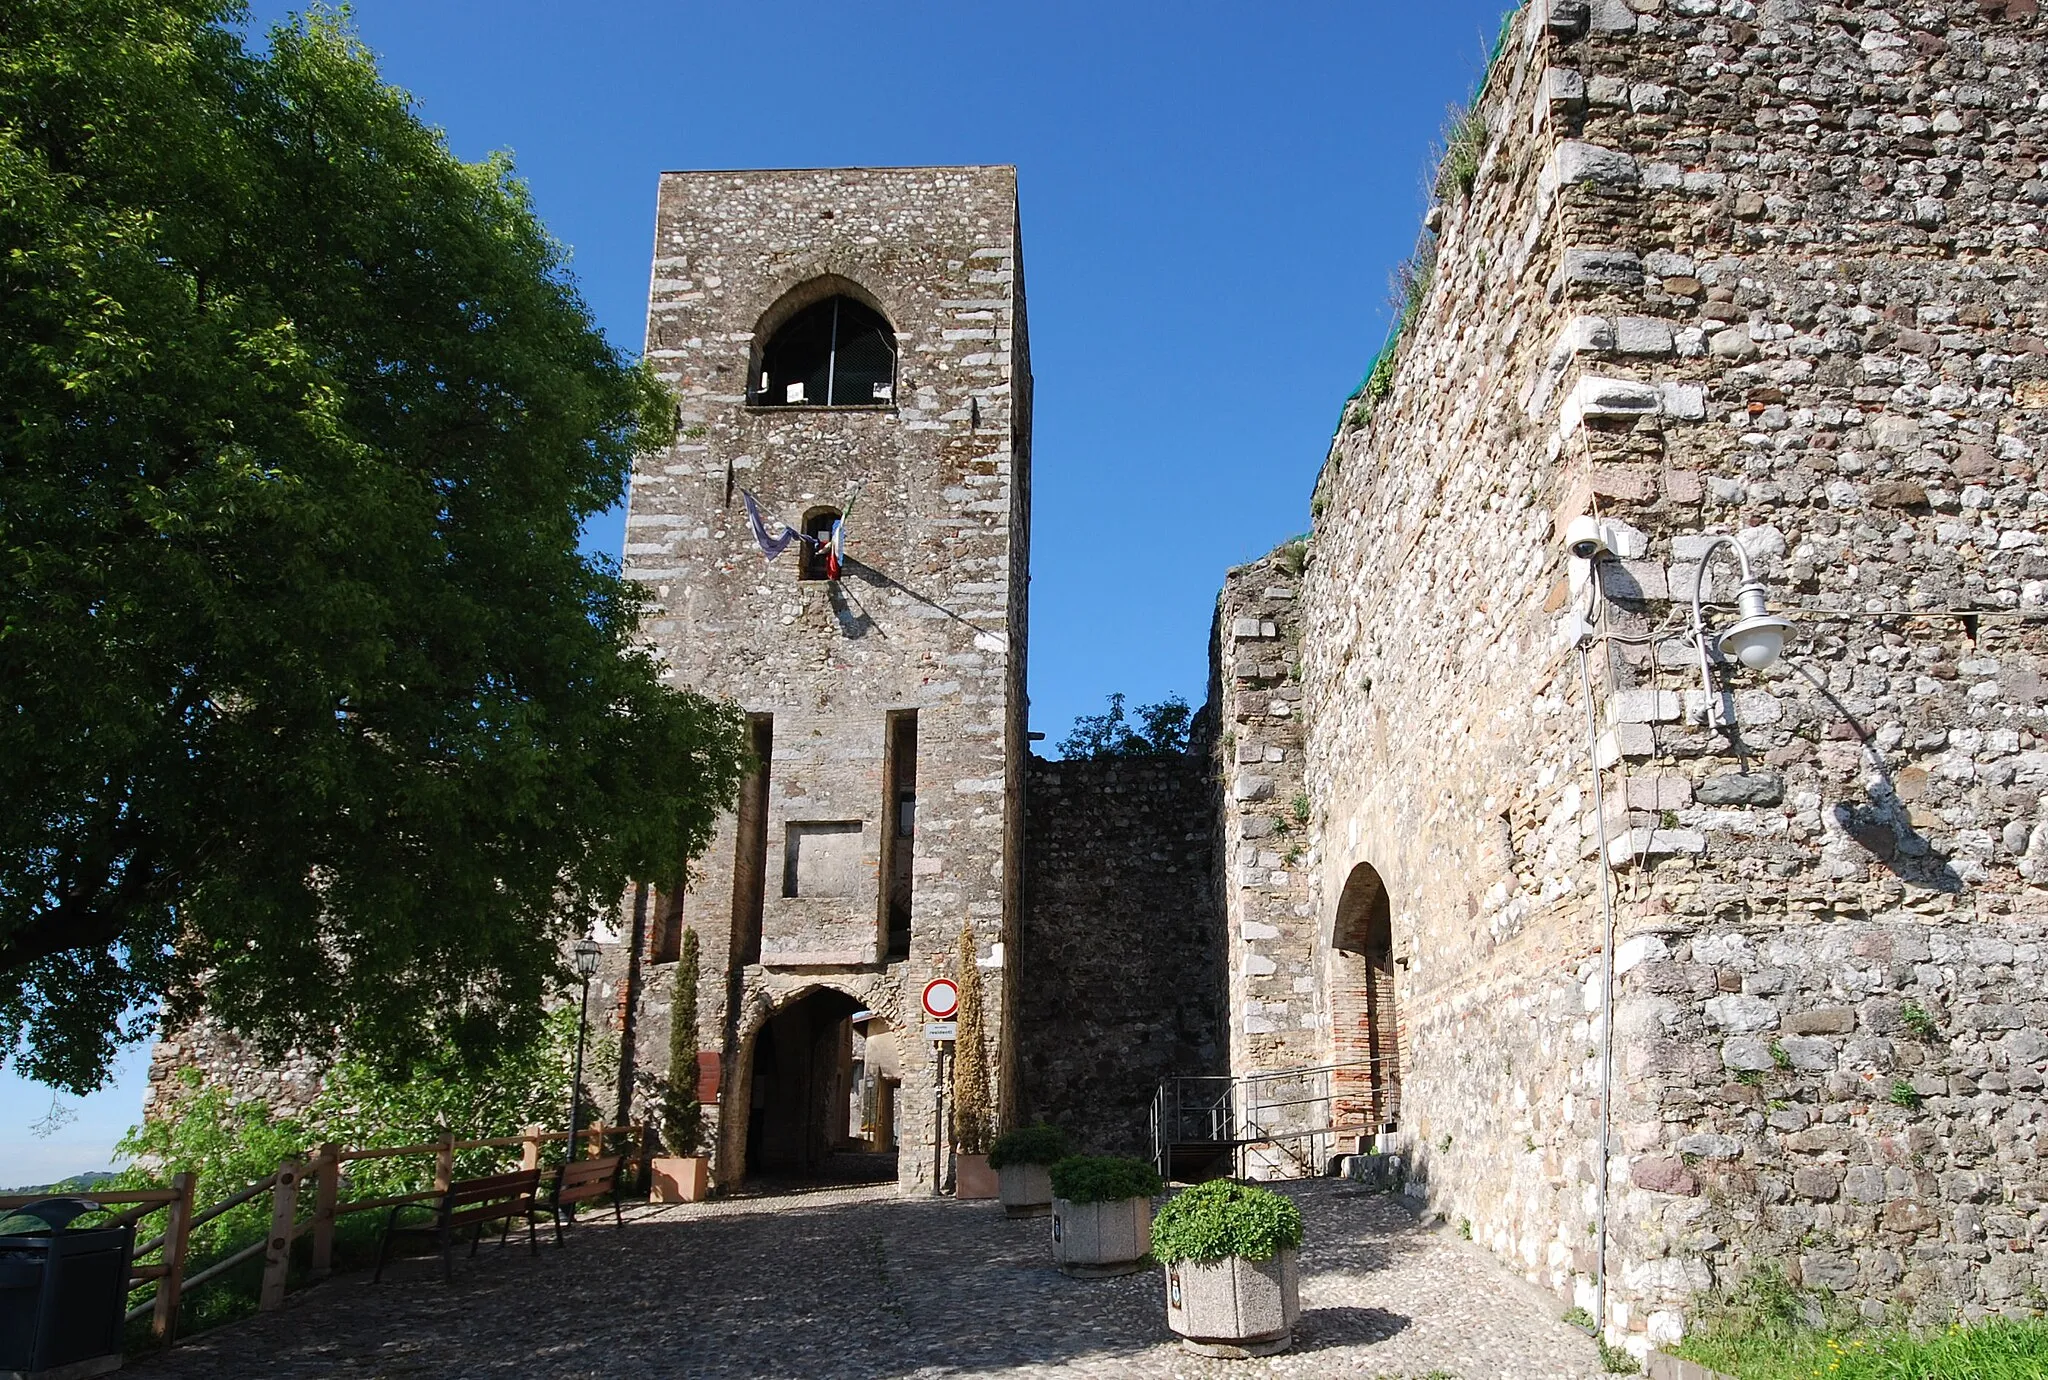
x,y
858,1283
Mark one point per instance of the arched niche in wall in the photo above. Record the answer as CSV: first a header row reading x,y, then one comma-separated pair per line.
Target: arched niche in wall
x,y
1362,1005
825,343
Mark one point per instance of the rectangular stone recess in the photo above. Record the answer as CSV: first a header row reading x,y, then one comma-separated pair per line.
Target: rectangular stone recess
x,y
750,847
823,858
899,828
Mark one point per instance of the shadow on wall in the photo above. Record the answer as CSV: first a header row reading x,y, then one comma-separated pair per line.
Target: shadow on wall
x,y
1880,823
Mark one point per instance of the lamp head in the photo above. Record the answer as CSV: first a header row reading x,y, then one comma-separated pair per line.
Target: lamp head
x,y
586,957
1758,637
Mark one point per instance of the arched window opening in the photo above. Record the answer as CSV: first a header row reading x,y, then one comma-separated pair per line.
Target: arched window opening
x,y
814,561
1368,1030
834,353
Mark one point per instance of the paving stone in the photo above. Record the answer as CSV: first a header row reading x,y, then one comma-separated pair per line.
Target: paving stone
x,y
862,1283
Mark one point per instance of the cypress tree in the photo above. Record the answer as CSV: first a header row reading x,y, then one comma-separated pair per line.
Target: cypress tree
x,y
974,1120
682,1118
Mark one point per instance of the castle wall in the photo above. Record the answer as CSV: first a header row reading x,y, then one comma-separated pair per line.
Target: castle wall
x,y
1265,874
1774,271
928,616
1121,952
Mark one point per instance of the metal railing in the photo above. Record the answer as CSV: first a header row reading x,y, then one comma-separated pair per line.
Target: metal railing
x,y
1285,1122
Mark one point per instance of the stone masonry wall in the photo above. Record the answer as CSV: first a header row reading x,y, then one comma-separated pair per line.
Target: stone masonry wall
x,y
1770,271
1265,871
1120,965
225,1059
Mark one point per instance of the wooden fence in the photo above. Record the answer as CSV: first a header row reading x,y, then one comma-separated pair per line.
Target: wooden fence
x,y
324,1168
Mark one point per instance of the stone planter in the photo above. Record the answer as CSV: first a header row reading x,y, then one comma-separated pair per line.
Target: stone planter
x,y
1098,1240
1026,1189
1235,1308
680,1178
972,1178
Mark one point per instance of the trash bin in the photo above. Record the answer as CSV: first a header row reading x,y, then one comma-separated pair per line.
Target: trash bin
x,y
63,1302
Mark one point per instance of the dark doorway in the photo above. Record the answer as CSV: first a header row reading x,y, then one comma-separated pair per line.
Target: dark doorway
x,y
1368,1031
803,1097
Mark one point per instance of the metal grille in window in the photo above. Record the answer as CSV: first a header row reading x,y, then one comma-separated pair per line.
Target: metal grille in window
x,y
834,353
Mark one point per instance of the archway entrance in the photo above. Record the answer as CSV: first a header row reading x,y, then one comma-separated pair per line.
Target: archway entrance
x,y
1368,1032
807,1094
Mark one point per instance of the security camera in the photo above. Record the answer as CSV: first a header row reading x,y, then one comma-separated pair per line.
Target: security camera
x,y
1586,537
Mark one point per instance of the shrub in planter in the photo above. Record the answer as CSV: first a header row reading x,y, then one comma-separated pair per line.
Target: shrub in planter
x,y
1101,1214
1233,1286
1023,1161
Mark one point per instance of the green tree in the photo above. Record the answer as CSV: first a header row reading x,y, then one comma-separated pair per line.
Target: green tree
x,y
682,1117
1161,728
309,693
974,1117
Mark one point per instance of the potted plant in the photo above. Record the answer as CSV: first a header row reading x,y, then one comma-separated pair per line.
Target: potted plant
x,y
1233,1286
683,1174
1023,1159
1101,1214
974,1121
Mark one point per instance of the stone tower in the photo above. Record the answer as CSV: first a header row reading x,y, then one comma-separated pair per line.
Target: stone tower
x,y
849,346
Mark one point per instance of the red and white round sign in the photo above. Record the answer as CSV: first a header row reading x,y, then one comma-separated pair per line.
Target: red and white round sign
x,y
941,998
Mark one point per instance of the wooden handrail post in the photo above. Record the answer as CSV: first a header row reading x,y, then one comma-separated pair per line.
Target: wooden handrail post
x,y
596,1135
177,1229
444,1162
529,1153
277,1247
327,1194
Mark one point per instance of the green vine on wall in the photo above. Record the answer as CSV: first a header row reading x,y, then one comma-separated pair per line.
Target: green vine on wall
x,y
1461,152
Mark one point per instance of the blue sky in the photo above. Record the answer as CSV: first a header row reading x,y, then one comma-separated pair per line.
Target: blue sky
x,y
1213,198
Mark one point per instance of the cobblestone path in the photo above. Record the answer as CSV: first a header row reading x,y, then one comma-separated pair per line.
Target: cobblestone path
x,y
858,1283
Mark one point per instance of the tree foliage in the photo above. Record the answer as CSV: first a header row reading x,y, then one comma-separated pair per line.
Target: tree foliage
x,y
308,690
974,1112
682,1116
227,1145
1160,728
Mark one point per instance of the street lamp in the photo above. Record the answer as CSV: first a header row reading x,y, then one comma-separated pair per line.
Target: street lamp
x,y
586,953
1756,639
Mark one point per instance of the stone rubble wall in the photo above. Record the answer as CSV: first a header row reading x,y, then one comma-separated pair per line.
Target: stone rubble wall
x,y
1774,271
1265,869
1121,955
1446,738
224,1059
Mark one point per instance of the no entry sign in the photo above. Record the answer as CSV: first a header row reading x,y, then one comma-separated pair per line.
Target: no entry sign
x,y
941,998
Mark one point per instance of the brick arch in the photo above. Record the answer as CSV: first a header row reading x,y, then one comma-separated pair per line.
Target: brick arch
x,y
1365,1018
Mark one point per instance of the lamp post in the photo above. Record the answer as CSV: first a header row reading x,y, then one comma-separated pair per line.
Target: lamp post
x,y
1756,639
586,965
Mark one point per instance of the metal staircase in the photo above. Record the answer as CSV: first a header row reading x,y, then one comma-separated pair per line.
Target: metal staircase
x,y
1274,1124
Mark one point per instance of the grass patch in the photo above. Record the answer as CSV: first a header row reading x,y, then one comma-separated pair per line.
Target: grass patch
x,y
1766,1330
1995,1350
1616,1360
1464,144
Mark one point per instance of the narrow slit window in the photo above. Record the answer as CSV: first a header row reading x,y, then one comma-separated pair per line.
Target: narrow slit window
x,y
834,353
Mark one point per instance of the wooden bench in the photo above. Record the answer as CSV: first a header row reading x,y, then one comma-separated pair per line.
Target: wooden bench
x,y
472,1202
583,1181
